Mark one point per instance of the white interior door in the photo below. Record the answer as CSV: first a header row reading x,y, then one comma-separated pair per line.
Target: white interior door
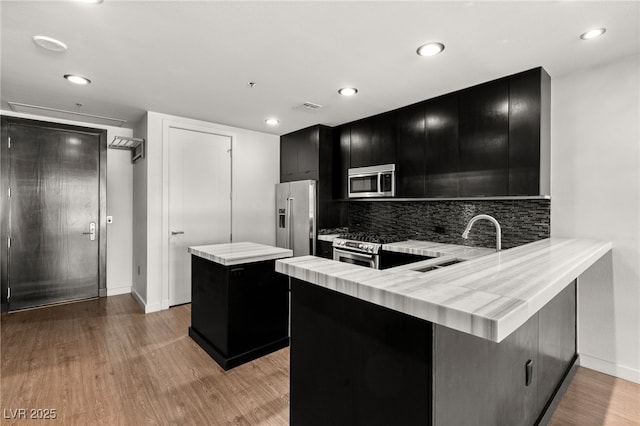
x,y
199,201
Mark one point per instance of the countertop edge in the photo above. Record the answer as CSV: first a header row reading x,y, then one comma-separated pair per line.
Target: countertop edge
x,y
368,285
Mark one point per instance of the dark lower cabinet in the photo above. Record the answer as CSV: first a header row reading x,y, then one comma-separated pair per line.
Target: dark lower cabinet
x,y
356,363
324,249
238,313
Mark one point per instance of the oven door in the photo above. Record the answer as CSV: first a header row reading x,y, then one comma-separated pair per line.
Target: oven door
x,y
360,259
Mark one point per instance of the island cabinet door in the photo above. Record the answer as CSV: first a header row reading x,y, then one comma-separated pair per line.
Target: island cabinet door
x,y
480,382
354,363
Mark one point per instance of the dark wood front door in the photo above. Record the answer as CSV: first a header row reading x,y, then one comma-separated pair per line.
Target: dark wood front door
x,y
54,214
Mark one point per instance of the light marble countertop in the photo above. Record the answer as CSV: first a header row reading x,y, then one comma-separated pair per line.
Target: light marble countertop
x,y
328,237
489,296
239,253
427,248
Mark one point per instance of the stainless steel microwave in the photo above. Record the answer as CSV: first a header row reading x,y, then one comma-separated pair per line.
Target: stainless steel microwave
x,y
373,181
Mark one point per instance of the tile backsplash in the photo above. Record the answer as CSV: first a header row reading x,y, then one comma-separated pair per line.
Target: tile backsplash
x,y
522,221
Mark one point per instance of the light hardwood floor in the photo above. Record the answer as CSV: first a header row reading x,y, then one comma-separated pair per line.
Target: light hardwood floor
x,y
105,362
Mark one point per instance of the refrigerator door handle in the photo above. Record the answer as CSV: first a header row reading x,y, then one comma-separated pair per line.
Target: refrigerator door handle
x,y
289,230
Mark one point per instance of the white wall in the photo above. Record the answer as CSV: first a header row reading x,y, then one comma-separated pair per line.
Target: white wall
x,y
139,263
256,170
595,187
119,205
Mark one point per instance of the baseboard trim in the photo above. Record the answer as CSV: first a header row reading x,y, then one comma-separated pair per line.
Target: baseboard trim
x,y
138,298
610,368
116,291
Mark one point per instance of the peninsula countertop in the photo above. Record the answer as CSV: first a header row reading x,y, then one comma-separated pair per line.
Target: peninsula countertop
x,y
239,253
489,296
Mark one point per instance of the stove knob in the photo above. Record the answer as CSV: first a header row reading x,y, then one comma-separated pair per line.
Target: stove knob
x,y
360,246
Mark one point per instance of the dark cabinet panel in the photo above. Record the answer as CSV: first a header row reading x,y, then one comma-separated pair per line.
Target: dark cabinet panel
x,y
479,382
343,141
442,162
238,313
288,157
383,139
557,342
299,155
515,392
484,139
356,363
529,94
361,143
411,151
308,153
324,249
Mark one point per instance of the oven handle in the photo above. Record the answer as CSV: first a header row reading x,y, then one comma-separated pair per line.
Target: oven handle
x,y
380,191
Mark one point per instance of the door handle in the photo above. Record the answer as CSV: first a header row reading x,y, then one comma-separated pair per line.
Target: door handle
x,y
289,245
92,231
177,232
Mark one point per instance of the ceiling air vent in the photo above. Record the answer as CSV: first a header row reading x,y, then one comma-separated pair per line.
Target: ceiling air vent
x,y
311,105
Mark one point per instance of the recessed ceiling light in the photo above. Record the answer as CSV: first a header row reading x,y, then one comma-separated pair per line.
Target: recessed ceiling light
x,y
77,79
49,43
348,91
594,33
272,121
430,49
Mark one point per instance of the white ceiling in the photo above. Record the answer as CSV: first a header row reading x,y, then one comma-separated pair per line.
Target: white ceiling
x,y
195,59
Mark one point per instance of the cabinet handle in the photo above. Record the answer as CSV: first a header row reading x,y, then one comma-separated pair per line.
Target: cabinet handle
x,y
529,372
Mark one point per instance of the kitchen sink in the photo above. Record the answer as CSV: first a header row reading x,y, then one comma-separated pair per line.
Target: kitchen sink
x,y
433,267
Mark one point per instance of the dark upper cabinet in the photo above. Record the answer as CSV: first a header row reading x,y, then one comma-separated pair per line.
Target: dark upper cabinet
x,y
529,133
373,140
361,143
288,156
484,140
410,173
309,154
383,138
442,157
342,135
299,154
487,140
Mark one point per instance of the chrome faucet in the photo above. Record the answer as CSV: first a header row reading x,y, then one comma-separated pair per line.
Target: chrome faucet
x,y
491,219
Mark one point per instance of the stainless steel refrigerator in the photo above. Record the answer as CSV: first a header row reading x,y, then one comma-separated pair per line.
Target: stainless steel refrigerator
x,y
296,216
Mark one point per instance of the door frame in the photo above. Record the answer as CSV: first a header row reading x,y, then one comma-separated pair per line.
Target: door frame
x,y
5,122
166,126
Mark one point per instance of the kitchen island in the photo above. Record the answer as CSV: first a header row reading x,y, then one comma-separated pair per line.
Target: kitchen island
x,y
487,341
239,304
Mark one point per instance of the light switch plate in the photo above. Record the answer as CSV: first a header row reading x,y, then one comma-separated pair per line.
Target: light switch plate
x,y
109,219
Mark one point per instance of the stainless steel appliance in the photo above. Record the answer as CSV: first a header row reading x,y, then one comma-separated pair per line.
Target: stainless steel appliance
x,y
357,252
372,181
361,248
296,216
